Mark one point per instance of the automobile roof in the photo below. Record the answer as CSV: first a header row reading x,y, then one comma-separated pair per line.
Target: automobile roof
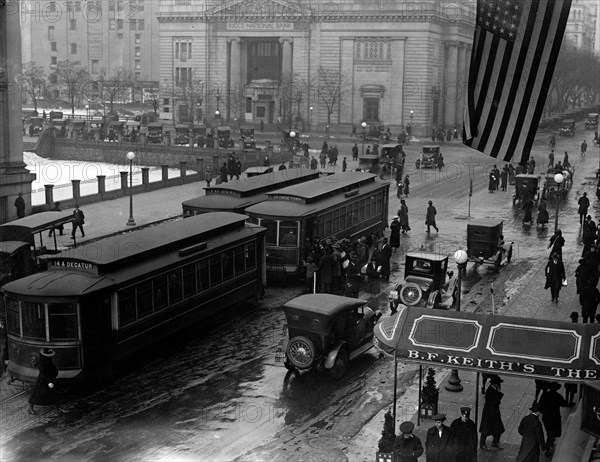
x,y
491,222
427,256
324,304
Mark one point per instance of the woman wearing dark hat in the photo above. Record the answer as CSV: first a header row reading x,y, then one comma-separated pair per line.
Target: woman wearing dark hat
x,y
395,233
44,390
464,433
439,445
491,420
530,429
407,446
550,404
542,216
403,216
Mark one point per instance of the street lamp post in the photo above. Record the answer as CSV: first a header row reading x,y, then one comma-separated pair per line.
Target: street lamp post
x,y
218,96
87,111
310,109
558,179
131,156
364,135
460,257
292,137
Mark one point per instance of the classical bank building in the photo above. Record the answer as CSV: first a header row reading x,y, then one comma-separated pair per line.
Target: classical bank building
x,y
390,62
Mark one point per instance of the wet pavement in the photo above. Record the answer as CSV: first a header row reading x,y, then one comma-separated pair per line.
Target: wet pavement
x,y
221,391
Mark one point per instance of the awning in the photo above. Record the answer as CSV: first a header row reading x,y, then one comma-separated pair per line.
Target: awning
x,y
524,347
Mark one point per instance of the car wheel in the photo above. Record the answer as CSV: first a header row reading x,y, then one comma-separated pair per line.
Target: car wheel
x,y
301,352
411,294
341,364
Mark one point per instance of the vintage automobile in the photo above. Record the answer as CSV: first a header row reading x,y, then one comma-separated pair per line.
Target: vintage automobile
x,y
247,136
199,136
37,125
526,186
56,115
427,282
155,133
592,121
373,132
327,331
182,135
567,128
224,137
77,128
486,244
61,126
429,157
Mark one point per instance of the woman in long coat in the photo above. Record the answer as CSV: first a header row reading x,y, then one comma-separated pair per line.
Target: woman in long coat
x,y
542,217
403,216
406,185
491,420
550,404
555,274
395,233
44,390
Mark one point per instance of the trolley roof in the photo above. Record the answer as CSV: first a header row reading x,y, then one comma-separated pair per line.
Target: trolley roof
x,y
242,194
485,222
284,205
325,304
121,249
38,222
328,186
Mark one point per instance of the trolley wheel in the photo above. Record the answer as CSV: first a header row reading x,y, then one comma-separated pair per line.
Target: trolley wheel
x,y
341,364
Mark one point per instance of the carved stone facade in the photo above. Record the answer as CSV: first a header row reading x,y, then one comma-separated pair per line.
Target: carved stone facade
x,y
268,60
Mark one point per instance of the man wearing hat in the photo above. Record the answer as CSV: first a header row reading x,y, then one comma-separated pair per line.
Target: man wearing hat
x,y
530,429
584,204
430,217
550,404
491,420
407,446
438,445
383,259
464,432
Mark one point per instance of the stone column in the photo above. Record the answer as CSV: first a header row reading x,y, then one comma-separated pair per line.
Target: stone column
x,y
49,195
165,174
235,77
146,177
286,72
182,171
461,89
449,93
76,184
124,176
200,162
101,185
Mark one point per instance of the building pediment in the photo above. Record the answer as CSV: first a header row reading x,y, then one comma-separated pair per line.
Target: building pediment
x,y
264,9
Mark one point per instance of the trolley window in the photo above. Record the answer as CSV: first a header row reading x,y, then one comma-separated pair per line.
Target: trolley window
x,y
175,289
342,218
202,275
250,256
239,262
271,234
189,280
127,306
228,265
288,233
13,323
62,319
215,271
144,298
34,321
159,287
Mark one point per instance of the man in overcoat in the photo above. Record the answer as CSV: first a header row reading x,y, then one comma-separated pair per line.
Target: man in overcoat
x,y
438,445
326,265
407,446
589,299
550,404
530,429
352,284
491,420
584,204
555,274
464,433
430,217
383,260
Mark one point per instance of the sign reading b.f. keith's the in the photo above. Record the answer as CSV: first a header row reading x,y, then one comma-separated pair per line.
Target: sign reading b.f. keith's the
x,y
493,365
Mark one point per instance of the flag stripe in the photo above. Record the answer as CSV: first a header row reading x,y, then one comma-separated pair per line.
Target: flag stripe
x,y
551,64
515,51
538,69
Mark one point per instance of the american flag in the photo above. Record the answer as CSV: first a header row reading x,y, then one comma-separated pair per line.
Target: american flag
x,y
514,53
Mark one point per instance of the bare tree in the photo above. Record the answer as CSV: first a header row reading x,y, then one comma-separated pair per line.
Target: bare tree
x,y
189,94
33,79
331,90
73,76
116,87
291,91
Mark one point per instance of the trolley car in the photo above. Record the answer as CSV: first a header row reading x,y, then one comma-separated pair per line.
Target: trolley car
x,y
104,301
236,196
349,204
